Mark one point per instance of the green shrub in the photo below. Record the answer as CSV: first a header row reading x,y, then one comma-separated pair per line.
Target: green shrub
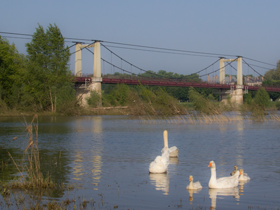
x,y
262,98
204,106
94,99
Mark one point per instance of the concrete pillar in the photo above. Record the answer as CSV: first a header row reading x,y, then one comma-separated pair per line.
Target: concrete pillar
x,y
96,80
97,60
208,78
239,72
78,60
222,71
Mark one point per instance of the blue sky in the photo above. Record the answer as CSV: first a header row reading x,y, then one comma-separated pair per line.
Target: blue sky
x,y
247,28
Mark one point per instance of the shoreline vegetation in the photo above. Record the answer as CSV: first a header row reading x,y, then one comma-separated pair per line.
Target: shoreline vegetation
x,y
148,103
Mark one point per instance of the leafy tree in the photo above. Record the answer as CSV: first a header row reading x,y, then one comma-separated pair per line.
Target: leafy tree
x,y
273,74
48,66
262,98
12,65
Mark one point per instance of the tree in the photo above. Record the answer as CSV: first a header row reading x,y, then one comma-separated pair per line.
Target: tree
x,y
12,64
48,66
273,74
262,98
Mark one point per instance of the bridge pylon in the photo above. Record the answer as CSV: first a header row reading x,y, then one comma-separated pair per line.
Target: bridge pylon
x,y
95,82
236,94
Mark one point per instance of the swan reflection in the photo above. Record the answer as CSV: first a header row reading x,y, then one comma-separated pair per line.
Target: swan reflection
x,y
191,192
213,193
173,161
161,182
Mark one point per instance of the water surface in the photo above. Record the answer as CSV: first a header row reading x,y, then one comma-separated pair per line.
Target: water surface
x,y
107,159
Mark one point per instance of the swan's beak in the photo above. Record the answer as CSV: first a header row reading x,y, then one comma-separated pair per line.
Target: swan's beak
x,y
190,179
210,165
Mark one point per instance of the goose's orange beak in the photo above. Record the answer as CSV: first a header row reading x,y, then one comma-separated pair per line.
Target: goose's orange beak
x,y
190,179
210,165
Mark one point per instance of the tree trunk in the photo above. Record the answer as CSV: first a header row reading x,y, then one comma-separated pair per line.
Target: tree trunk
x,y
51,99
55,103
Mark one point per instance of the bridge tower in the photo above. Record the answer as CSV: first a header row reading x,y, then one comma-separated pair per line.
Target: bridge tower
x,y
93,83
237,93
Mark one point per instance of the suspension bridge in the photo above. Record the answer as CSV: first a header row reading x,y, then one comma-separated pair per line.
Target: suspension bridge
x,y
236,89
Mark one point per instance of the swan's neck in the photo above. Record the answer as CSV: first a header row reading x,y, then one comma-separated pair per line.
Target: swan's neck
x,y
165,138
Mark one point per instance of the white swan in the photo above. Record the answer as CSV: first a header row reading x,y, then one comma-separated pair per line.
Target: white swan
x,y
193,185
243,176
160,164
224,182
173,151
234,171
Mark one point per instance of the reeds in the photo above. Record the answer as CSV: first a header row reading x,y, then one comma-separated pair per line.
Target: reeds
x,y
34,178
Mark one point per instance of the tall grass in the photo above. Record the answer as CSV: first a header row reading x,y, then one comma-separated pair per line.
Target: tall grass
x,y
202,104
34,177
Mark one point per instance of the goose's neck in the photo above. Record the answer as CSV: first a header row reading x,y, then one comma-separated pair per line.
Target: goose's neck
x,y
213,174
191,184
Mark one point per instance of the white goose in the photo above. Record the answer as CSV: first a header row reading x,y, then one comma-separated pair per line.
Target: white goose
x,y
243,176
160,164
224,182
193,185
173,151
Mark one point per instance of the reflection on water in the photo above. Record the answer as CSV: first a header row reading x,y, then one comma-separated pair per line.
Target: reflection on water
x,y
191,192
174,161
160,181
110,155
241,186
95,156
213,193
78,167
96,151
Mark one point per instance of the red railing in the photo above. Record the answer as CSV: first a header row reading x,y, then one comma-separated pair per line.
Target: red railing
x,y
136,80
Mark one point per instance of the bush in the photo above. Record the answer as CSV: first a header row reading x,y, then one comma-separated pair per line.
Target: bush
x,y
94,99
204,106
262,98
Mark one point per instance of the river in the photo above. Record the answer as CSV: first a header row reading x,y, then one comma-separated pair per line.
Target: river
x,y
107,158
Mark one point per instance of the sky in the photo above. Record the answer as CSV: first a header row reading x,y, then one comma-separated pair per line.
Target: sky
x,y
239,28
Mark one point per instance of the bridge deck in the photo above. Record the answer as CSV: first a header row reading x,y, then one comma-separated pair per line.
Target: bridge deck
x,y
171,83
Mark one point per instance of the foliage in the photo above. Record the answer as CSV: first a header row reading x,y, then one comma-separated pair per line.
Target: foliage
x,y
118,95
94,99
141,100
273,74
48,66
12,65
248,99
262,98
201,104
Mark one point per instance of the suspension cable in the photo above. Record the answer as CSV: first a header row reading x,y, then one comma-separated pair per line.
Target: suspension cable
x,y
219,68
129,62
82,48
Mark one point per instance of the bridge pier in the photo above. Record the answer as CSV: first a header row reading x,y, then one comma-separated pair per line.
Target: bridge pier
x,y
93,83
236,95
